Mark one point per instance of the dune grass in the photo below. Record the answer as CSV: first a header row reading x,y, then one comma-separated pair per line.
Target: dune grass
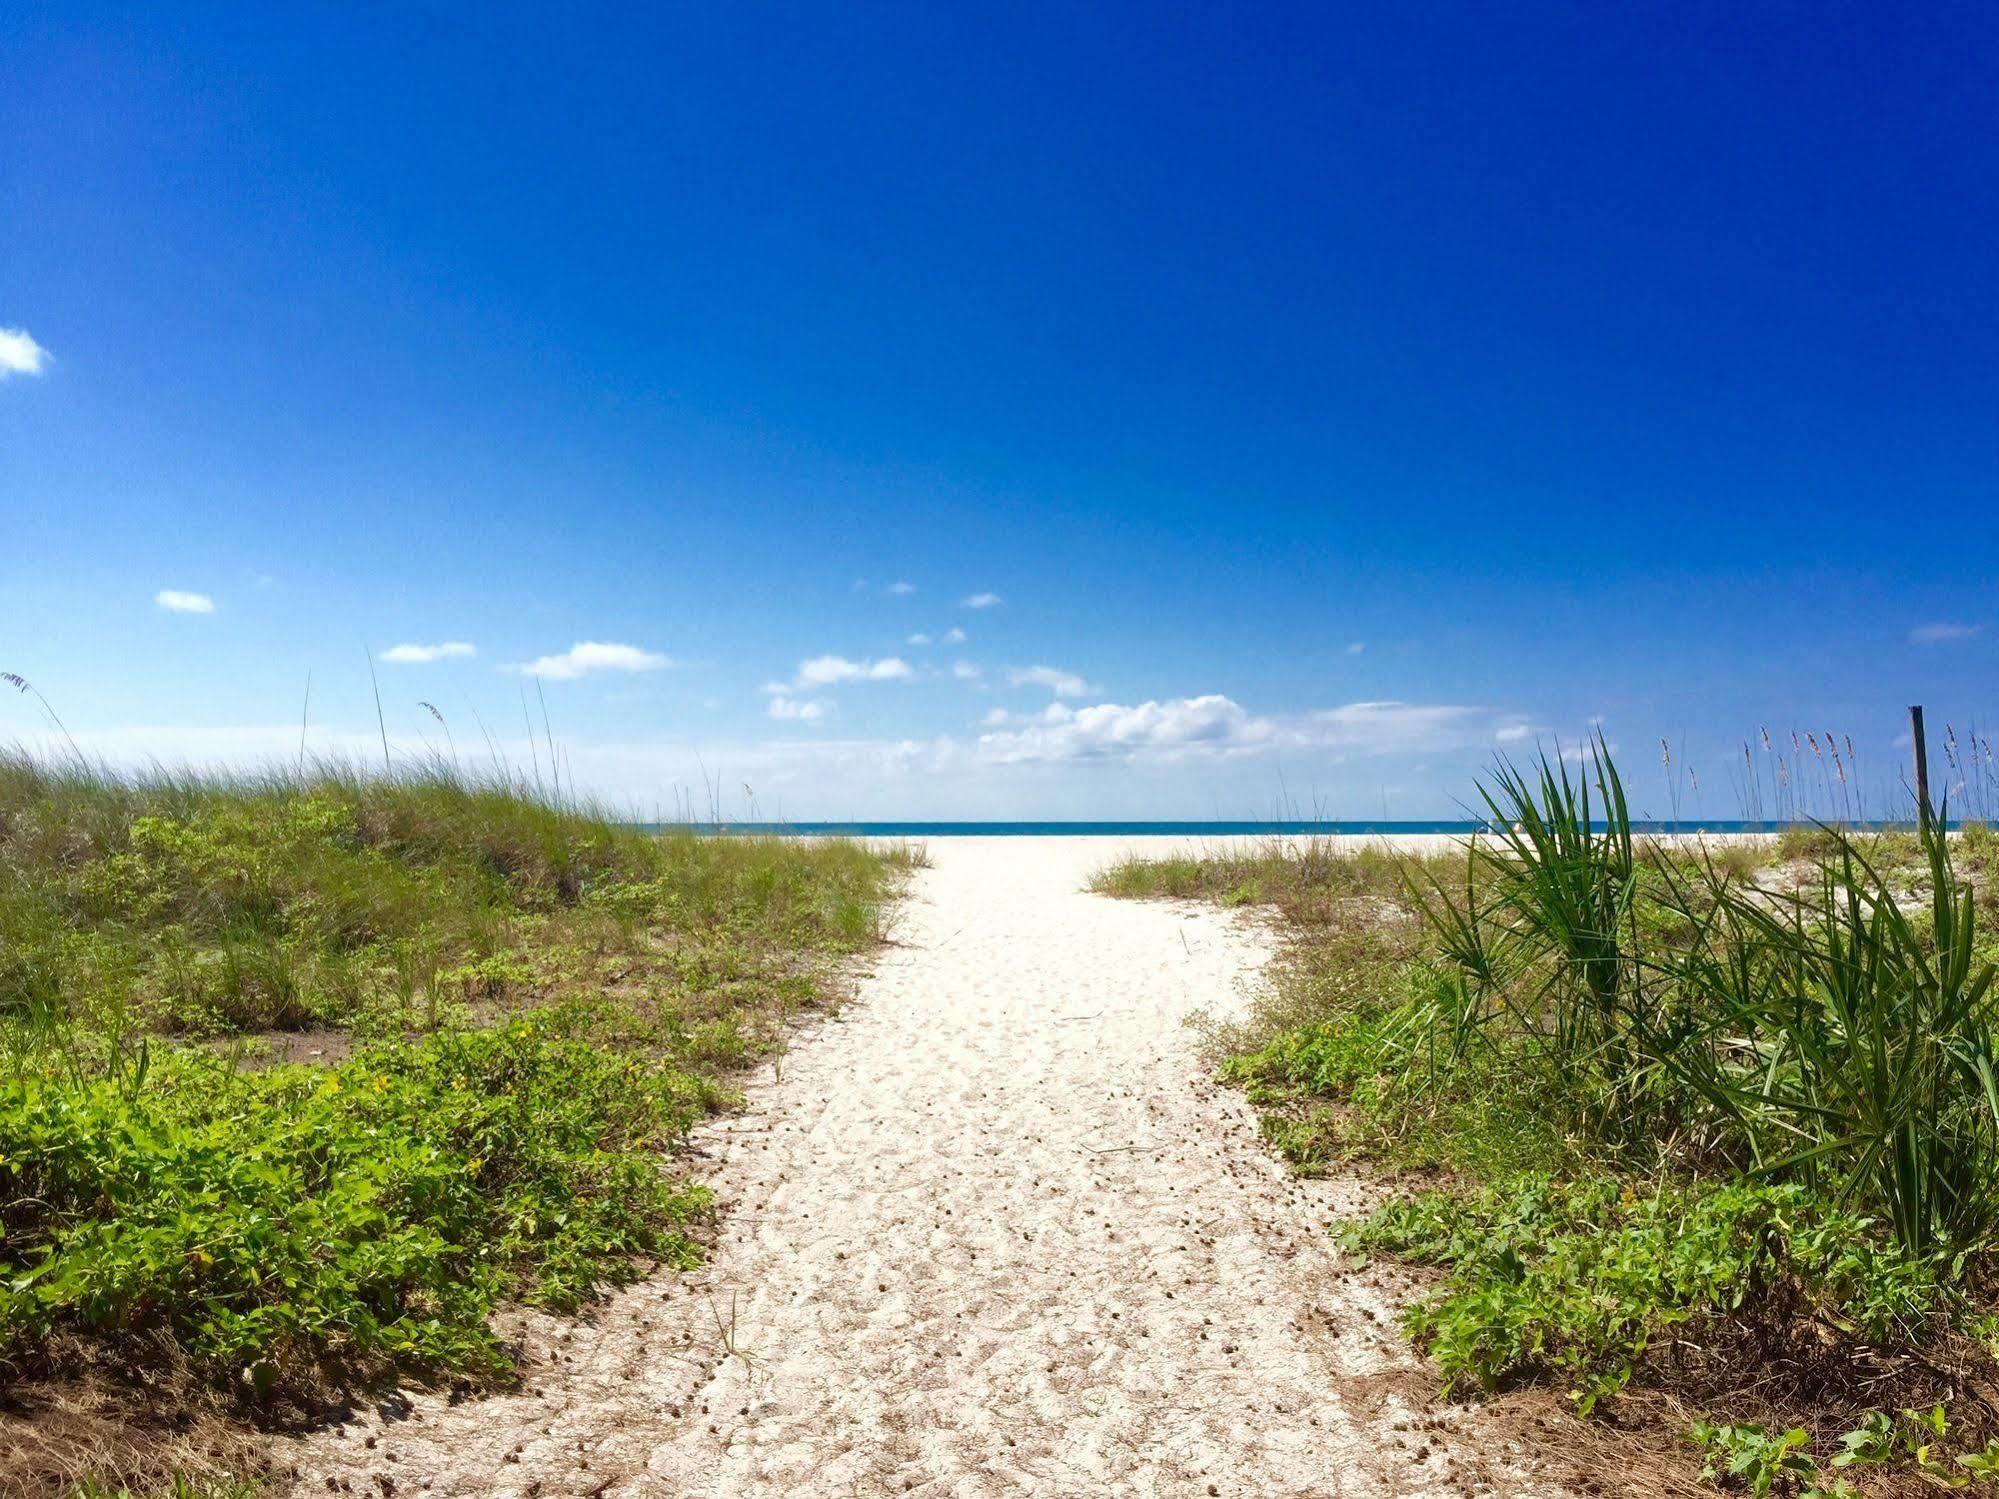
x,y
304,1073
1719,1119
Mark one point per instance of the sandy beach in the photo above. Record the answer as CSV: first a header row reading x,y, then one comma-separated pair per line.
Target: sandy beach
x,y
990,1231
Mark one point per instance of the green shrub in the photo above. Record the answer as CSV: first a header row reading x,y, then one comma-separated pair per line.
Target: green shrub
x,y
1577,1281
276,1222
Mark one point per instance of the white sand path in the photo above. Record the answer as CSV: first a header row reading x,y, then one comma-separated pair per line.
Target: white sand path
x,y
989,1232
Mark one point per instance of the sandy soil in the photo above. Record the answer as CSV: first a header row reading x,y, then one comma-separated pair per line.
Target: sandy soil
x,y
990,1232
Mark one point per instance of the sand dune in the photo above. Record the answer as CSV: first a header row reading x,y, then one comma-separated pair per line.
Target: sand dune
x,y
990,1232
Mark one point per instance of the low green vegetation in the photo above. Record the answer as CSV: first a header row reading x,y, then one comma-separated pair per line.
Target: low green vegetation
x,y
1721,1121
304,1074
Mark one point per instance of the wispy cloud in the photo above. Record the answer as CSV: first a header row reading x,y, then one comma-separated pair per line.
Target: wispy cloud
x,y
919,638
180,601
423,655
953,636
1356,647
901,588
964,671
20,354
1394,728
980,600
587,656
829,671
802,710
1061,683
1942,632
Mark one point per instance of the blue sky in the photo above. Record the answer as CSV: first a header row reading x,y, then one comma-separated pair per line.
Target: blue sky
x,y
1329,398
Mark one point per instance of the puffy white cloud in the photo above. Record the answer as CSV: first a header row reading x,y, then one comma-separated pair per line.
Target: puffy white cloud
x,y
1942,632
423,655
20,354
954,636
919,638
981,600
801,710
827,671
587,656
1214,725
965,671
1211,723
1061,683
179,601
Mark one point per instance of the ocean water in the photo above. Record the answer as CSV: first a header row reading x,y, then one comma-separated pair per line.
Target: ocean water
x,y
1147,829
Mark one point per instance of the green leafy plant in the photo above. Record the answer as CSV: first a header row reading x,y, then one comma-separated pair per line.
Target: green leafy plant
x,y
1867,1445
276,1222
1577,1281
1763,1462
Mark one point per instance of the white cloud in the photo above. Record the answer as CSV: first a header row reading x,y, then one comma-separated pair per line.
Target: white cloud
x,y
1939,633
802,710
827,671
179,601
981,600
1217,726
901,589
1511,733
593,655
1585,753
1061,683
954,636
919,638
423,655
964,671
995,718
1211,724
1393,728
1356,648
20,354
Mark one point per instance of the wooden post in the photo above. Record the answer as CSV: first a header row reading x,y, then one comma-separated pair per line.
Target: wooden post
x,y
1922,766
